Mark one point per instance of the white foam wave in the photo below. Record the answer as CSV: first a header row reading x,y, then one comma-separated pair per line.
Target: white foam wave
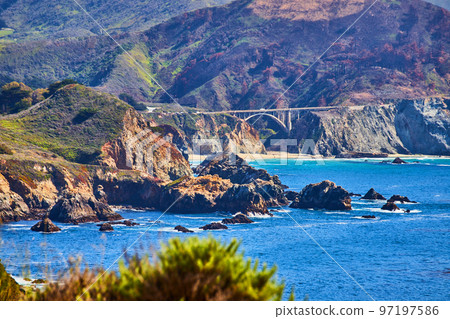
x,y
337,213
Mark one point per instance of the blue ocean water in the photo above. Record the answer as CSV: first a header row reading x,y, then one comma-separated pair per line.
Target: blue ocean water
x,y
327,255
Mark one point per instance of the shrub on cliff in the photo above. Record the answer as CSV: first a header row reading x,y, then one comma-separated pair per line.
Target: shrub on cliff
x,y
9,288
15,97
194,269
52,88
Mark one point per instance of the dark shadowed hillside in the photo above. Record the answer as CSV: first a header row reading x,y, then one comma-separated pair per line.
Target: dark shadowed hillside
x,y
243,55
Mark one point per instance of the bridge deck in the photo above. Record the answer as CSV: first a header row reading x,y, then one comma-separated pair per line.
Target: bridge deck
x,y
318,108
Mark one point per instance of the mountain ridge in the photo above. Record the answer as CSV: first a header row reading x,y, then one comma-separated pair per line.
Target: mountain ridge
x,y
227,57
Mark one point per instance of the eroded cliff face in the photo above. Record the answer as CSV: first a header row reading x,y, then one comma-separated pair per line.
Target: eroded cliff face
x,y
420,126
209,134
424,126
146,147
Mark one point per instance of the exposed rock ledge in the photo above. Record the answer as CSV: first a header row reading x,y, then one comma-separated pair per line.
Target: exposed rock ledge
x,y
325,195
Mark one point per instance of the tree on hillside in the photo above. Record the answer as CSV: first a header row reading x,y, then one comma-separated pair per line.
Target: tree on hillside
x,y
52,88
15,97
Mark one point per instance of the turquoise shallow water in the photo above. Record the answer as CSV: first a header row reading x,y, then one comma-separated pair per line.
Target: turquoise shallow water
x,y
398,256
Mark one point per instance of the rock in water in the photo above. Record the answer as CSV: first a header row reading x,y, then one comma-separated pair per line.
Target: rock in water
x,y
74,207
238,219
372,194
246,199
183,229
398,160
390,206
232,167
401,199
106,227
46,226
214,226
368,216
325,195
290,195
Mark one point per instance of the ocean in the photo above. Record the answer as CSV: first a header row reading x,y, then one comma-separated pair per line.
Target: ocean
x,y
325,255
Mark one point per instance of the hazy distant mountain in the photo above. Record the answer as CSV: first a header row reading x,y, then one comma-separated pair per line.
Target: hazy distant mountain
x,y
442,3
55,18
244,54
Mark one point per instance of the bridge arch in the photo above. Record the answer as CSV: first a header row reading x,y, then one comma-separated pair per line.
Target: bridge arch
x,y
276,119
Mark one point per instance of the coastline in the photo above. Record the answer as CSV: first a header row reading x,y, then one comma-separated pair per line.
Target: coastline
x,y
285,155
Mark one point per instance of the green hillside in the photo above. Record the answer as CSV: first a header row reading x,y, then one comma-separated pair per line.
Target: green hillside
x,y
74,123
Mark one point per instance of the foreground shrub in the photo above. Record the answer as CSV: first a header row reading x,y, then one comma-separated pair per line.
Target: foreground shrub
x,y
9,288
194,269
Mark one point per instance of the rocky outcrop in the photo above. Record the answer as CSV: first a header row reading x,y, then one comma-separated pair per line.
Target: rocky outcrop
x,y
210,193
214,226
243,198
398,160
399,198
46,226
12,206
75,208
238,219
183,229
390,206
373,195
232,167
106,227
290,195
146,147
193,194
323,195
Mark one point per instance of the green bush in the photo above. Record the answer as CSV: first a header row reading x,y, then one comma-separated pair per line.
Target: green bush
x,y
52,88
9,288
84,114
193,269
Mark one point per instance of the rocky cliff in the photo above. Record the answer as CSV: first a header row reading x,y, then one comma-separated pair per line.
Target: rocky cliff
x,y
62,152
208,134
420,126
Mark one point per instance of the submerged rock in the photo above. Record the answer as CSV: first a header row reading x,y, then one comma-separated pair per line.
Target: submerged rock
x,y
398,160
368,216
183,229
390,206
45,226
372,194
401,199
214,226
238,219
128,223
325,195
106,227
354,195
